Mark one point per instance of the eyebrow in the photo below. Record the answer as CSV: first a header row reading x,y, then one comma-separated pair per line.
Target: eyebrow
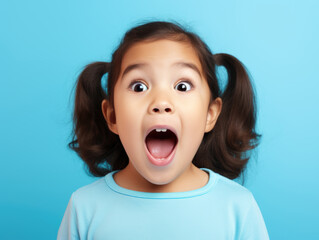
x,y
178,64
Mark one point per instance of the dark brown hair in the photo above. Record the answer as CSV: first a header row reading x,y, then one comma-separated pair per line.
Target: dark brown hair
x,y
223,150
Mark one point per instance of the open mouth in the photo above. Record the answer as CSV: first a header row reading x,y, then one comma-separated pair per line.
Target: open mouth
x,y
161,143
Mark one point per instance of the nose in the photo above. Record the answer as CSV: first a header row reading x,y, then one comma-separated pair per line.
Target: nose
x,y
161,104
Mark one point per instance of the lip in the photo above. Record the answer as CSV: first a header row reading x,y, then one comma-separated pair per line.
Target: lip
x,y
161,126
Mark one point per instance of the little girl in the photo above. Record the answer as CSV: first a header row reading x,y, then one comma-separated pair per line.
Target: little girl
x,y
165,141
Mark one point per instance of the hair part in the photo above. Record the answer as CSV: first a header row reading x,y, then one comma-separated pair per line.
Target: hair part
x,y
224,149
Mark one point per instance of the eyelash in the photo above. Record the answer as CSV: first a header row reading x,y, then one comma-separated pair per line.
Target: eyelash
x,y
183,81
134,82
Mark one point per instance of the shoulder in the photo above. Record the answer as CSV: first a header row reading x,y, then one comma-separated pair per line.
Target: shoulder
x,y
90,193
243,206
91,187
83,205
231,186
231,191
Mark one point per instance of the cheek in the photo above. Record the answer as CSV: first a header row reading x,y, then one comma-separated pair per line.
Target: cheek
x,y
124,110
195,111
194,115
195,126
194,122
128,131
129,120
126,120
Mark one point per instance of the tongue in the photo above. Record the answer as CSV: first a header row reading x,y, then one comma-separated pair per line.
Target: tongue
x,y
160,148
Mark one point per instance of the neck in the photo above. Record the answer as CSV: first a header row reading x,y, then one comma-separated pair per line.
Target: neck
x,y
191,179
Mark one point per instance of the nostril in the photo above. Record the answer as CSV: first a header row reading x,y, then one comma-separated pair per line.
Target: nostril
x,y
159,110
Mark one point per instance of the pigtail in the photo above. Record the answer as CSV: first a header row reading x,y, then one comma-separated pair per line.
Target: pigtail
x,y
92,140
238,117
234,133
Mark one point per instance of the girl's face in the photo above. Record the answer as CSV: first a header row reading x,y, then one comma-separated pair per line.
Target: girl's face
x,y
161,85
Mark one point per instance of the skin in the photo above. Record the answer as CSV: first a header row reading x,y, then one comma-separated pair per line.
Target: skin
x,y
161,102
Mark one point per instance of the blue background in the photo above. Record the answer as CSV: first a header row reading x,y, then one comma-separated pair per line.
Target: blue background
x,y
45,44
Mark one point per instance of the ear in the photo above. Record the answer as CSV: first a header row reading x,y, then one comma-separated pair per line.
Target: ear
x,y
109,116
213,113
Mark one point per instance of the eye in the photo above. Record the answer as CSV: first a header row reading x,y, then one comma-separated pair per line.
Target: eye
x,y
184,86
138,86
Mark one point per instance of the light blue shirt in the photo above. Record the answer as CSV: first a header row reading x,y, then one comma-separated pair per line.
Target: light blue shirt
x,y
222,209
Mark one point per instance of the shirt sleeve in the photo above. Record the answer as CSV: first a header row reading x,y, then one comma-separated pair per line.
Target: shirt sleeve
x,y
68,228
253,225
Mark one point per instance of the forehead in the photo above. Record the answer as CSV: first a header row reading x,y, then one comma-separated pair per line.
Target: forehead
x,y
160,53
